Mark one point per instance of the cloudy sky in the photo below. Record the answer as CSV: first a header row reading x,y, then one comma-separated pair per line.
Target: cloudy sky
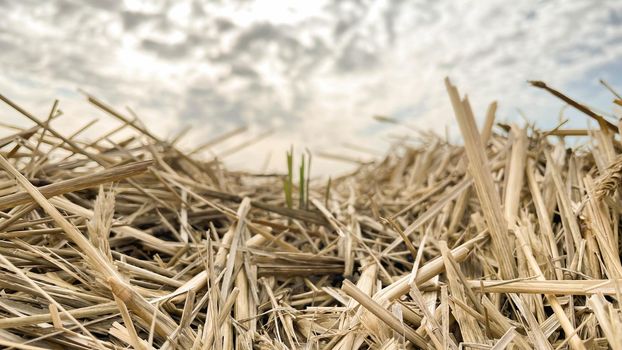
x,y
312,72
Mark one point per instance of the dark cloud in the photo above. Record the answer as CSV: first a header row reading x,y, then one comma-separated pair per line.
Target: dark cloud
x,y
67,8
132,19
167,51
357,55
7,45
260,34
76,68
108,5
206,104
244,71
615,17
224,24
531,15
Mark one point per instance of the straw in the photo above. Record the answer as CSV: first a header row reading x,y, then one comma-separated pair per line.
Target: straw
x,y
509,238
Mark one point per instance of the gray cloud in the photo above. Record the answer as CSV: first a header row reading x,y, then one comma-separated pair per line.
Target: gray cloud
x,y
167,51
131,20
319,71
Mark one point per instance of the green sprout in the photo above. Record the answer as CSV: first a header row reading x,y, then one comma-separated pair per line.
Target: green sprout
x,y
327,193
304,176
288,183
301,184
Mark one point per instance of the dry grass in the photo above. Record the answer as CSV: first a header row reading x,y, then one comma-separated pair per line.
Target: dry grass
x,y
509,241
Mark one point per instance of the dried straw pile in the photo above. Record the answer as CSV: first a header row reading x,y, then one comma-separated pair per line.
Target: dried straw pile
x,y
508,241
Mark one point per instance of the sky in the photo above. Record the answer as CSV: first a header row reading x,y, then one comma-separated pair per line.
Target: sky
x,y
311,73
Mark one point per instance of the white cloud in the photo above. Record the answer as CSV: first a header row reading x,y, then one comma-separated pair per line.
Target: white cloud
x,y
315,71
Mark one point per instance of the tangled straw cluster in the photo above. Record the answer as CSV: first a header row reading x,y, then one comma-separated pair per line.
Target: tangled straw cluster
x,y
508,241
